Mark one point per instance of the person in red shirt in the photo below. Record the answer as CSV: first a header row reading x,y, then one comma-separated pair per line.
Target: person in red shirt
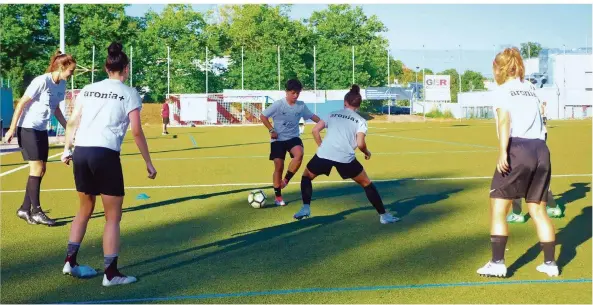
x,y
165,116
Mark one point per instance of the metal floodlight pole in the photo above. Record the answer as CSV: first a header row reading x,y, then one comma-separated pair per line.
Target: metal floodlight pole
x,y
459,74
242,70
315,76
62,35
168,71
207,70
131,65
278,67
352,64
388,78
93,67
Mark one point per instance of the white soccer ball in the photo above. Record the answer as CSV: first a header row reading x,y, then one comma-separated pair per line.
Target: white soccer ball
x,y
257,199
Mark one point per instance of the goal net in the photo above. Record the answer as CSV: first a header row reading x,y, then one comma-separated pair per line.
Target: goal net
x,y
215,109
66,106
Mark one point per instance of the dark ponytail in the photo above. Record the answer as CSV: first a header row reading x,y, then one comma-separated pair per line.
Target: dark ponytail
x,y
117,60
353,97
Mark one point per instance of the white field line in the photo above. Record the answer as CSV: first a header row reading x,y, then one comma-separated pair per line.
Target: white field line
x,y
315,182
434,141
23,166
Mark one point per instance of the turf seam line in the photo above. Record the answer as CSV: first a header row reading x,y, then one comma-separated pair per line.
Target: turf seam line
x,y
337,289
295,184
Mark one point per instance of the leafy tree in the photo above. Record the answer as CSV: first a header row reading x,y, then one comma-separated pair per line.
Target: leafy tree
x,y
27,42
530,49
336,30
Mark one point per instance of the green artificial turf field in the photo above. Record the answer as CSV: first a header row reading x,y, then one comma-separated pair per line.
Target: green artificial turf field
x,y
196,239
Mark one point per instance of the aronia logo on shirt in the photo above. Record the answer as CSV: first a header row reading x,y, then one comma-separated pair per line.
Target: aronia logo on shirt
x,y
109,95
337,115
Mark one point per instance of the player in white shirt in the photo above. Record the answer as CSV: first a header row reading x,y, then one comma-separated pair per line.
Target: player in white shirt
x,y
286,114
346,131
523,169
552,208
100,120
29,124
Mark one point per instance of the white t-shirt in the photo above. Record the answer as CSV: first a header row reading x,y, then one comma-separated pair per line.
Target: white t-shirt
x,y
104,114
339,142
286,118
45,96
522,103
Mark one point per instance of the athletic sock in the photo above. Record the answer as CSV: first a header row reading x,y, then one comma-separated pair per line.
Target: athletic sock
x,y
499,243
306,190
374,198
33,188
72,252
549,251
288,176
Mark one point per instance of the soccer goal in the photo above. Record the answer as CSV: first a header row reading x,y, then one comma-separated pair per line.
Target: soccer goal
x,y
67,106
186,110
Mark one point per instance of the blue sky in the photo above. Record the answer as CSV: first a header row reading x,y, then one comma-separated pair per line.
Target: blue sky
x,y
479,29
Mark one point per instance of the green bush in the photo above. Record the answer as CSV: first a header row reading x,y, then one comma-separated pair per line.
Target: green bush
x,y
437,113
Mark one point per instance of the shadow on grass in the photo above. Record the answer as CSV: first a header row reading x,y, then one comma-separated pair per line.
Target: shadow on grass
x,y
575,233
219,247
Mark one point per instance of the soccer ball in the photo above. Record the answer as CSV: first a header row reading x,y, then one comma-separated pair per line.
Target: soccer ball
x,y
257,199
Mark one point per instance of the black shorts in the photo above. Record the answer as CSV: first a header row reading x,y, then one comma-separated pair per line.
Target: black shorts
x,y
97,170
34,144
278,149
320,166
166,120
531,170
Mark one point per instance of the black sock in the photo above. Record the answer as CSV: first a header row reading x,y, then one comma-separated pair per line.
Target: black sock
x,y
374,198
499,243
278,192
26,206
33,187
306,190
72,252
549,251
288,175
110,263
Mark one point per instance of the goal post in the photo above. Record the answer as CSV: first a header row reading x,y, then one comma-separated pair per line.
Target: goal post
x,y
186,110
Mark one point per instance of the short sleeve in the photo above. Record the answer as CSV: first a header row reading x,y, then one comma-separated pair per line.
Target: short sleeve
x,y
362,127
35,88
500,100
134,102
307,114
271,111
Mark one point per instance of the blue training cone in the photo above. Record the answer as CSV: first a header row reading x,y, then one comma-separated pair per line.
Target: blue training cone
x,y
142,196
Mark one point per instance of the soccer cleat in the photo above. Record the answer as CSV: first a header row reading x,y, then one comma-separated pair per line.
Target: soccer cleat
x,y
549,268
41,218
515,218
387,218
279,201
304,212
555,212
25,215
493,269
118,280
79,271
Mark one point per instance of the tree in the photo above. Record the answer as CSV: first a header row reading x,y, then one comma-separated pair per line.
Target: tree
x,y
471,80
530,49
259,30
454,83
27,42
88,25
185,32
336,30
